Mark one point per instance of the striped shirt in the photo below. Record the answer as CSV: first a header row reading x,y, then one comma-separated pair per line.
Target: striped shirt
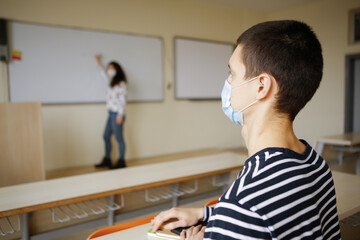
x,y
279,194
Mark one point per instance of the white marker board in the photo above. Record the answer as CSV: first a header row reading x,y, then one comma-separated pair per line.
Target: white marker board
x,y
58,66
200,68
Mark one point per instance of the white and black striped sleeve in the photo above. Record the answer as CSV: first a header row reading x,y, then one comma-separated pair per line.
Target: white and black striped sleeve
x,y
207,213
232,221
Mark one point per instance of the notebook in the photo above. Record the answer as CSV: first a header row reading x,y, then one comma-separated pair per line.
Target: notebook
x,y
162,234
169,234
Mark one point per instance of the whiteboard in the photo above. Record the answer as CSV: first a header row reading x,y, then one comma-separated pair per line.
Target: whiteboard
x,y
200,68
58,66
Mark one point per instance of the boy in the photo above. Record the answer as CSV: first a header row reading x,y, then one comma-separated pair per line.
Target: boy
x,y
285,190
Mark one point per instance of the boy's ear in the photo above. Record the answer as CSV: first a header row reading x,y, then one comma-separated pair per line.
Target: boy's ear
x,y
265,86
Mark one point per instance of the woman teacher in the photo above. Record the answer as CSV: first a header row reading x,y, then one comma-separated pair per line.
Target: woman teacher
x,y
115,104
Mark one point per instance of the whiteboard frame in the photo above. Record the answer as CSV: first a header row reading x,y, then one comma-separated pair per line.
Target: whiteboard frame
x,y
175,68
95,30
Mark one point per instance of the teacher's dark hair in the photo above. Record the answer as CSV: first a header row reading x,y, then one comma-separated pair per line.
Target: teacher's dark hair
x,y
119,76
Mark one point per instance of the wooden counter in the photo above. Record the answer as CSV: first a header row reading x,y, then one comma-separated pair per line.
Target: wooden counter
x,y
51,193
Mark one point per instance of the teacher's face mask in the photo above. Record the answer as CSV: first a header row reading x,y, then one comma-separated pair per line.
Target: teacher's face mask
x,y
111,72
234,115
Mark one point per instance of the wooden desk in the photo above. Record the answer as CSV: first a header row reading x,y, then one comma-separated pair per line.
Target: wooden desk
x,y
135,233
344,142
347,187
25,198
46,194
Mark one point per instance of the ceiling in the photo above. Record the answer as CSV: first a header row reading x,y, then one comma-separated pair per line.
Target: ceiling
x,y
260,5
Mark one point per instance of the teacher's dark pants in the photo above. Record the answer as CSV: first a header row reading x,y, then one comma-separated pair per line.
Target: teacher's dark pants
x,y
113,128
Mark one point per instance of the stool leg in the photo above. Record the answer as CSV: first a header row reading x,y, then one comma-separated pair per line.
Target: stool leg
x,y
175,188
340,157
319,147
225,179
24,226
111,213
358,165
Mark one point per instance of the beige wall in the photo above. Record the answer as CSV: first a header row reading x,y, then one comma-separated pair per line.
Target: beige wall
x,y
72,133
324,115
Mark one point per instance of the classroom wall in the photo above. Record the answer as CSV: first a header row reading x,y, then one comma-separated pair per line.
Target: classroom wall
x,y
72,133
324,115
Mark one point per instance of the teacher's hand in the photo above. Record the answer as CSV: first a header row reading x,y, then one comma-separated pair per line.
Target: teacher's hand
x,y
119,120
98,59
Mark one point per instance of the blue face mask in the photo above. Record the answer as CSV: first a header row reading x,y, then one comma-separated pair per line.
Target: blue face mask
x,y
235,116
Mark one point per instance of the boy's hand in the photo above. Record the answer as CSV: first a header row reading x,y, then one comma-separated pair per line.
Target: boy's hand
x,y
177,217
193,233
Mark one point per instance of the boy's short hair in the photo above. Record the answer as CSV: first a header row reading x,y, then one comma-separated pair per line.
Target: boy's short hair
x,y
290,52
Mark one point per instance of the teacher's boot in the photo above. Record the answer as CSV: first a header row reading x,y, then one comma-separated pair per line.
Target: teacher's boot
x,y
106,162
120,164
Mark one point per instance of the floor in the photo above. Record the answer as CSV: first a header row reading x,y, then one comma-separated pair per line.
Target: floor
x,y
135,162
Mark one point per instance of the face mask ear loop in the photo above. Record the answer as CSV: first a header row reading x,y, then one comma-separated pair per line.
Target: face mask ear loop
x,y
249,105
252,79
